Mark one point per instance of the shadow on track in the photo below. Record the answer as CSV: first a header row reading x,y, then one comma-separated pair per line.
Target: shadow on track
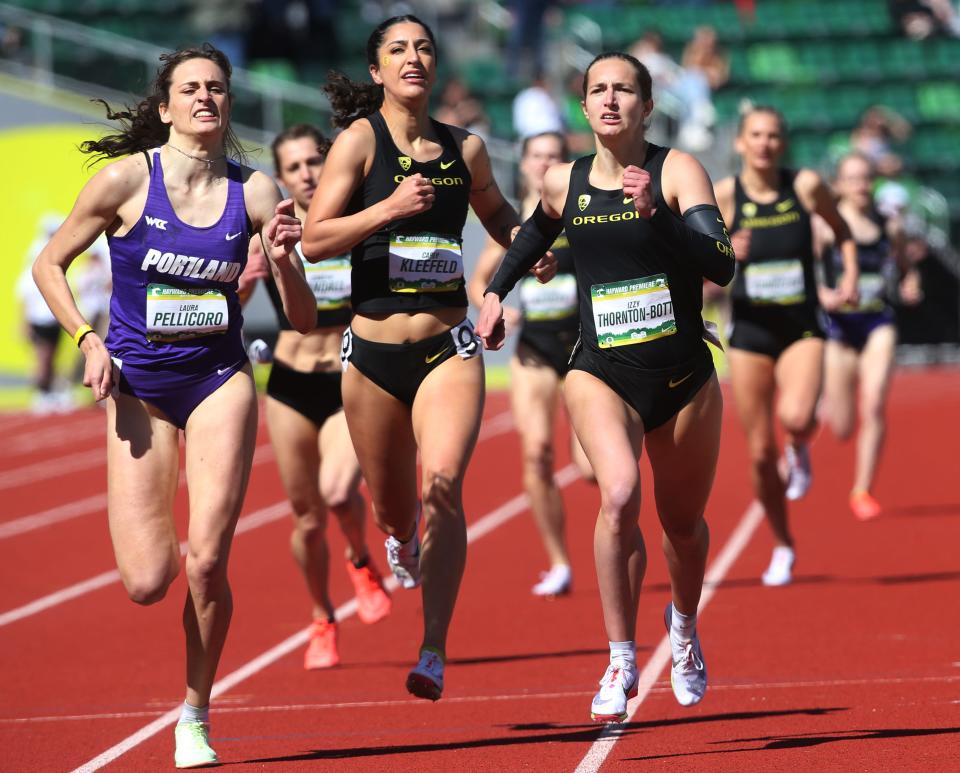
x,y
585,734
807,740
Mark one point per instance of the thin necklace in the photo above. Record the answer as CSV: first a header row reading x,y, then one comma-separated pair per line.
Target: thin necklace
x,y
208,161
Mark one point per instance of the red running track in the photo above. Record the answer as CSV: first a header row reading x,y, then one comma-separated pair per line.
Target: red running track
x,y
853,667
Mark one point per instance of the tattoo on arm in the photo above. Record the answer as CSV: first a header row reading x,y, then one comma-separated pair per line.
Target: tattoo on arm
x,y
486,187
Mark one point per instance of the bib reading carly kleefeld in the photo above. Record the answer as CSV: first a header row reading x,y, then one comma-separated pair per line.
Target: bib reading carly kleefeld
x,y
425,263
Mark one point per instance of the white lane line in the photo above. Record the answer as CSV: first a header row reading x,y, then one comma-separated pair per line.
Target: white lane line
x,y
246,523
263,453
480,528
37,439
660,658
662,687
26,523
496,425
84,460
94,504
52,468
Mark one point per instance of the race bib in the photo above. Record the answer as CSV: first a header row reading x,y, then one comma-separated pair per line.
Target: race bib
x,y
422,263
175,314
777,282
635,311
465,340
346,348
330,282
556,299
873,289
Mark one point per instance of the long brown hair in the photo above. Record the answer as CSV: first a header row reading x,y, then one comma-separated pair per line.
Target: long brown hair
x,y
141,127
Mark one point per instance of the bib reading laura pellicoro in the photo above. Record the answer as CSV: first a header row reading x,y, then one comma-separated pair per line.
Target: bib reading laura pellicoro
x,y
640,303
175,285
416,262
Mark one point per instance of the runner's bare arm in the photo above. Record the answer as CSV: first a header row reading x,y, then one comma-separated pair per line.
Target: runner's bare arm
x,y
816,196
328,232
96,210
279,231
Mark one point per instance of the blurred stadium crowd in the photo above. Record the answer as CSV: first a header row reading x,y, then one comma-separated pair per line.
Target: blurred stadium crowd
x,y
878,76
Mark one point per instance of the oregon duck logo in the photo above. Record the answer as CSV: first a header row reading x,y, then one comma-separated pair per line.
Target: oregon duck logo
x,y
584,201
405,162
785,206
749,209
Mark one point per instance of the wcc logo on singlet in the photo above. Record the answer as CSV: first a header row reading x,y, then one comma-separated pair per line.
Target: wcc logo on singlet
x,y
583,201
405,162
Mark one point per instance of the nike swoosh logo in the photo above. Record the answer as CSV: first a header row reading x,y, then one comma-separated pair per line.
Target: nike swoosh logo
x,y
431,358
446,165
221,371
673,384
231,237
627,199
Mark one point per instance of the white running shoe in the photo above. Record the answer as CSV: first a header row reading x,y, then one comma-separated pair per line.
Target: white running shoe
x,y
404,557
618,684
425,680
556,582
780,571
799,473
193,745
688,674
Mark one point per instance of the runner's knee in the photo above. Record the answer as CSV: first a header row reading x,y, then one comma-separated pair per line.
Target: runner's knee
x,y
684,529
441,492
337,492
620,503
206,571
311,525
538,459
796,419
145,586
763,451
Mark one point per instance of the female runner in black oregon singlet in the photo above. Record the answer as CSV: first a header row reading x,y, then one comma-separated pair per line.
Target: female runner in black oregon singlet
x,y
548,328
395,189
776,341
645,231
308,431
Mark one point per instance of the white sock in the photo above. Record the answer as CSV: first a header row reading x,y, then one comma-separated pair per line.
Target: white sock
x,y
682,626
192,714
623,653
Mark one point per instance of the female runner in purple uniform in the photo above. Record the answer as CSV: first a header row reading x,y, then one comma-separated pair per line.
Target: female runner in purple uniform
x,y
862,337
178,215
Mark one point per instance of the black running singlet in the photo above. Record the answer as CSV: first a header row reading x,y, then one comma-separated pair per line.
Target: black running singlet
x,y
414,263
640,304
777,271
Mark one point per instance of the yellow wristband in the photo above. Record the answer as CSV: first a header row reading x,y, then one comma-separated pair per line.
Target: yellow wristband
x,y
81,332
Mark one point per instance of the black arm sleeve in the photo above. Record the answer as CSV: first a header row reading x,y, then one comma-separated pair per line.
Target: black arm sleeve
x,y
529,245
701,236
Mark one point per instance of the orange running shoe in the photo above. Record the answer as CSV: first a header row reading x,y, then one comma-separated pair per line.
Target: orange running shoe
x,y
864,506
373,601
322,649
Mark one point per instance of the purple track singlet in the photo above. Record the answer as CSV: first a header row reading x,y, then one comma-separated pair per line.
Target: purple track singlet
x,y
174,302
